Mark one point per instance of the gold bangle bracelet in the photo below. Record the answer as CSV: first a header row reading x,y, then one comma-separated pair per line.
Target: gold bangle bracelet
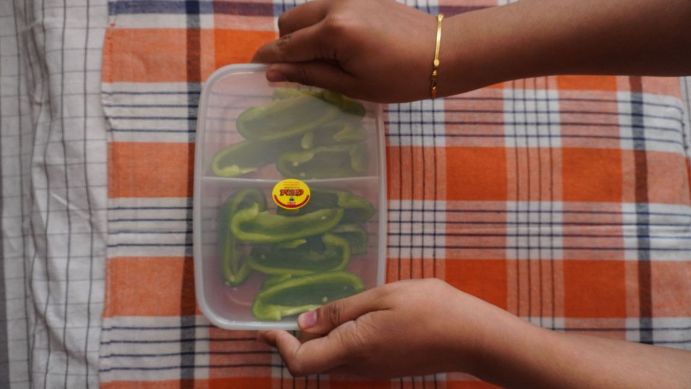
x,y
435,64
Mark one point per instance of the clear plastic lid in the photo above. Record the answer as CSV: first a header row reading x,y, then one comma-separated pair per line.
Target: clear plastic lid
x,y
289,199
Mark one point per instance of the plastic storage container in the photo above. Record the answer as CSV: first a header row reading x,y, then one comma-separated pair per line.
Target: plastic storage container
x,y
259,258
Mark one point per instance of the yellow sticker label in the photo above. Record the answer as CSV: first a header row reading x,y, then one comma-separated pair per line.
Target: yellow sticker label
x,y
291,194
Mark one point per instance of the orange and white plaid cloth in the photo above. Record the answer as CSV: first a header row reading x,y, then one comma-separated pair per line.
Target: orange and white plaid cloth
x,y
564,200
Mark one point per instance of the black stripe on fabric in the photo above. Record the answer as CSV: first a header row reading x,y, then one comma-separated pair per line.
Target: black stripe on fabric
x,y
46,101
20,121
31,47
187,313
517,194
551,212
4,336
88,194
189,367
570,99
400,192
642,210
564,211
137,93
574,248
154,328
178,340
66,182
553,235
197,352
531,111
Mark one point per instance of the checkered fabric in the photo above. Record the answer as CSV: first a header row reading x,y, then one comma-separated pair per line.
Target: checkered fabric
x,y
564,200
52,192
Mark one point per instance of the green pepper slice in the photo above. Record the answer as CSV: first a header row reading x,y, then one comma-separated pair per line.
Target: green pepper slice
x,y
285,118
258,226
300,294
235,271
338,161
245,157
240,158
275,280
334,133
302,260
345,104
357,209
355,235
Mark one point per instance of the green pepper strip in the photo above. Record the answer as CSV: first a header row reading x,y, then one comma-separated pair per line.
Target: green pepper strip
x,y
355,235
285,118
357,209
246,157
253,225
234,270
301,294
274,280
335,133
303,260
347,105
324,162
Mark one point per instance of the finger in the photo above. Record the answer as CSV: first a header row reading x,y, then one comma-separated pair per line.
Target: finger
x,y
321,354
271,337
329,316
314,356
302,16
312,73
302,45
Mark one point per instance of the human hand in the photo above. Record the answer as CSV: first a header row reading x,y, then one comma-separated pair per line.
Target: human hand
x,y
377,50
412,327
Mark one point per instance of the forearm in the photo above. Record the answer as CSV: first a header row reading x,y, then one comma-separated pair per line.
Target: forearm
x,y
533,357
544,37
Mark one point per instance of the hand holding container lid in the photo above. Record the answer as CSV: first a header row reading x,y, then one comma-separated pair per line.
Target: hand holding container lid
x,y
289,199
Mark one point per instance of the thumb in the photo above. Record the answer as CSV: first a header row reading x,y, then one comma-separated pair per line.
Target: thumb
x,y
327,317
318,74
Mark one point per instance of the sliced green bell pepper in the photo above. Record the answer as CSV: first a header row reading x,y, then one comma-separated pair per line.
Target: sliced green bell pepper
x,y
335,133
235,270
285,118
355,235
357,209
274,280
258,226
345,104
245,157
303,259
324,162
300,294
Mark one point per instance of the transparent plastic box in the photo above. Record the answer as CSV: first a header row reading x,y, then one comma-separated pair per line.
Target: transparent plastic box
x,y
257,266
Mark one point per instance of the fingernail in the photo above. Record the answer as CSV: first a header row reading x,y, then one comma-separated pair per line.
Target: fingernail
x,y
274,75
307,319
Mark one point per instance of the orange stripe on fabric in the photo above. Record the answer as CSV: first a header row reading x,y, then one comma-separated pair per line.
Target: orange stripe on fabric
x,y
476,173
485,279
604,83
138,169
147,55
594,289
160,55
340,383
238,46
149,286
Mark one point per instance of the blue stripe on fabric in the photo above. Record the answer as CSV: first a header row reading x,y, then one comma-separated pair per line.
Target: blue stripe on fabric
x,y
190,8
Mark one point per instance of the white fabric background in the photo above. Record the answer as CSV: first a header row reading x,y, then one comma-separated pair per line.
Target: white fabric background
x,y
53,140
